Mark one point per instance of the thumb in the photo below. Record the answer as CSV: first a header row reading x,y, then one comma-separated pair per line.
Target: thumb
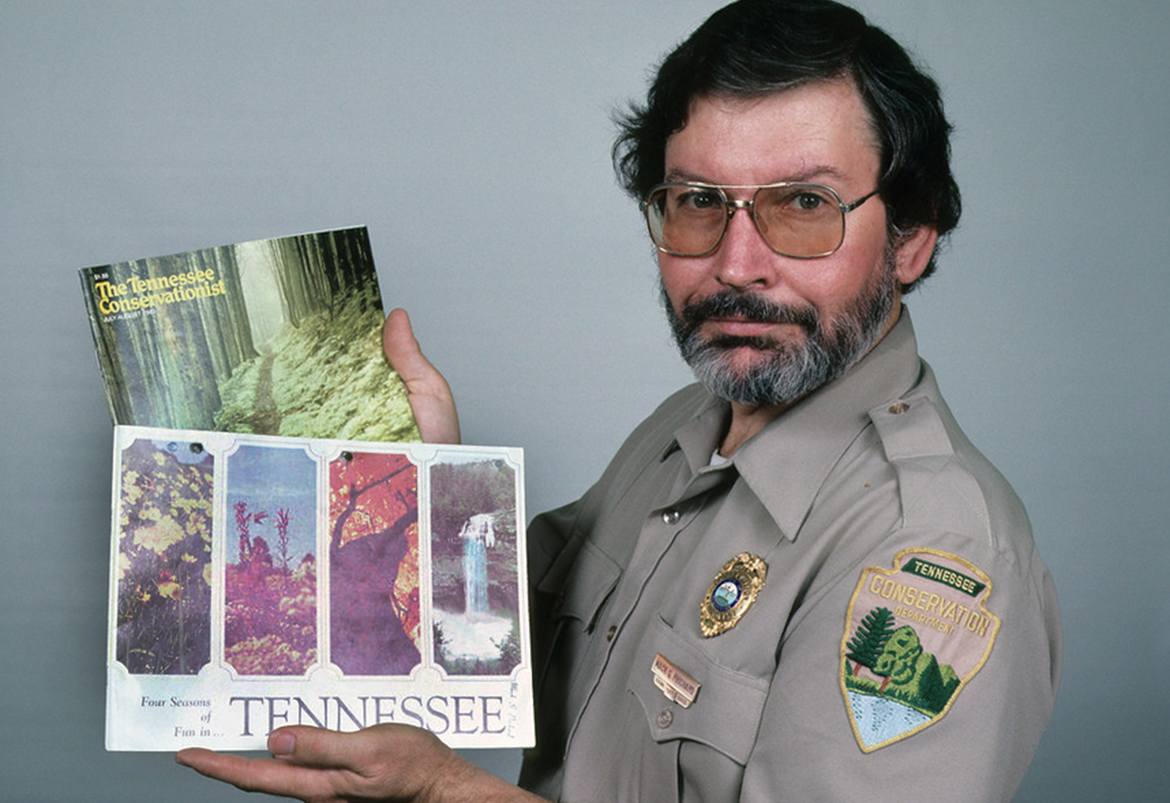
x,y
427,391
315,747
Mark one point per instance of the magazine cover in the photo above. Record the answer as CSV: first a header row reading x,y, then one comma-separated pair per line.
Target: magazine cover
x,y
275,337
261,581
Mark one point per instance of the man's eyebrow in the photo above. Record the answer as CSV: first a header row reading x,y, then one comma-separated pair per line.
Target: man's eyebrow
x,y
683,175
813,174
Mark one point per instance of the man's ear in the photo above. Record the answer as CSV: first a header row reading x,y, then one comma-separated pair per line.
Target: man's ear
x,y
913,252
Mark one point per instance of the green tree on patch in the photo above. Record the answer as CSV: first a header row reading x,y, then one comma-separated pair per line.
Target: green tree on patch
x,y
936,684
870,638
898,662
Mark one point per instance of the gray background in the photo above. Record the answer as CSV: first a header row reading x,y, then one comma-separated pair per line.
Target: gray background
x,y
472,138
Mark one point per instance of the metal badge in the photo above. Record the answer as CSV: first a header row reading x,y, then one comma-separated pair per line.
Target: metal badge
x,y
731,593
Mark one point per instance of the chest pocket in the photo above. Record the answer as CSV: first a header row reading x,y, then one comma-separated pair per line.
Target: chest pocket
x,y
562,628
726,712
593,579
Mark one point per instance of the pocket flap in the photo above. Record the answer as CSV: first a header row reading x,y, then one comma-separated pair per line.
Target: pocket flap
x,y
727,709
591,580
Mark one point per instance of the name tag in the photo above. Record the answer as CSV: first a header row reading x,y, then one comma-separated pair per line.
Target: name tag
x,y
676,684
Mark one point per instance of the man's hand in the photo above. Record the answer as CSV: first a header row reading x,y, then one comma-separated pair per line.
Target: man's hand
x,y
426,389
382,763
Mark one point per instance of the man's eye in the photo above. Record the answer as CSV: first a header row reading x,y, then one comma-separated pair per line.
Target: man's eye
x,y
700,200
807,201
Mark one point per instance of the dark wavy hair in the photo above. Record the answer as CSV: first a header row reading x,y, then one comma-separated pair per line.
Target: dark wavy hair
x,y
755,47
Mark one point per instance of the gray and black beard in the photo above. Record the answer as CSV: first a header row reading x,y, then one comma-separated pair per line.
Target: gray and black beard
x,y
793,369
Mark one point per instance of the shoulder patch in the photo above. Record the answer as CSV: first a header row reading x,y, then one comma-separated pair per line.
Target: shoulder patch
x,y
915,636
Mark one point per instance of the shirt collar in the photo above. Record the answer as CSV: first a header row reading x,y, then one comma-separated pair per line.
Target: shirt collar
x,y
787,462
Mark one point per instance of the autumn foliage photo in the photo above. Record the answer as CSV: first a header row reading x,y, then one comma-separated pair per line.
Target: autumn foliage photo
x,y
163,561
374,564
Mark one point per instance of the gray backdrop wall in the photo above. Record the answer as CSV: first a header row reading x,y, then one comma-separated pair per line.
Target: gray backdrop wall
x,y
138,128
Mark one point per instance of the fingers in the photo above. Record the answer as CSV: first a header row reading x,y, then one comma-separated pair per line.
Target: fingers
x,y
428,392
309,763
272,776
388,762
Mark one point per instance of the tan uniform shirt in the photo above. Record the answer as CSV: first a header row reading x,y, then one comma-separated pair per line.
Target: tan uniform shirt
x,y
904,644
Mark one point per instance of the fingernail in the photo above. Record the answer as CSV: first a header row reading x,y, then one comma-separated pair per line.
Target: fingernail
x,y
281,744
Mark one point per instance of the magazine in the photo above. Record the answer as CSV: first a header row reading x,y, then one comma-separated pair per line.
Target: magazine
x,y
260,581
275,337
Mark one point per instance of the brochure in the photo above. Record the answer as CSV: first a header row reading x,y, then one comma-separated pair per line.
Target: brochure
x,y
260,581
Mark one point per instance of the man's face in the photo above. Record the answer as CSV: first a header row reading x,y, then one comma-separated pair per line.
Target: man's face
x,y
760,328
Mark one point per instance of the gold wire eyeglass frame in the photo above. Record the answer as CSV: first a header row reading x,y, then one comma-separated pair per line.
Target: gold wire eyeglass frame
x,y
655,220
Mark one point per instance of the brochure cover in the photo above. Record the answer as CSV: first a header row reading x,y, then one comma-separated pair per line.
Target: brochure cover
x,y
275,337
261,581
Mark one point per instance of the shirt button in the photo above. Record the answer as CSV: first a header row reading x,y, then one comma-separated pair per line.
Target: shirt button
x,y
898,408
670,516
665,718
609,634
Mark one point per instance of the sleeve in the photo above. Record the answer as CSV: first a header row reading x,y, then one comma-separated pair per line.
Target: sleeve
x,y
548,535
551,552
977,749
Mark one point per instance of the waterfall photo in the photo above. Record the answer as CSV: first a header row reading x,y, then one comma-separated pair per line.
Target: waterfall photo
x,y
474,557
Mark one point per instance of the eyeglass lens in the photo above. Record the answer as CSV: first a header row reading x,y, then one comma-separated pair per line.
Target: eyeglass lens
x,y
799,220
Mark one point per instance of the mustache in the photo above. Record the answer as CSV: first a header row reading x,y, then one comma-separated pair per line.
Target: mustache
x,y
749,307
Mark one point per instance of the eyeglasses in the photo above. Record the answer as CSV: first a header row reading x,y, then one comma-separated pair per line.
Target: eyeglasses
x,y
804,221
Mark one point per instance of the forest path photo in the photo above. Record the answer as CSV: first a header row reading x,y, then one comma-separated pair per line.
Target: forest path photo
x,y
265,416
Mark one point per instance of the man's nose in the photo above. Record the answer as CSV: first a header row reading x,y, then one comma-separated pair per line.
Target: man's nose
x,y
743,258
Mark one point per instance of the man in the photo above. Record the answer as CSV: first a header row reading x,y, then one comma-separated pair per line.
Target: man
x,y
797,580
